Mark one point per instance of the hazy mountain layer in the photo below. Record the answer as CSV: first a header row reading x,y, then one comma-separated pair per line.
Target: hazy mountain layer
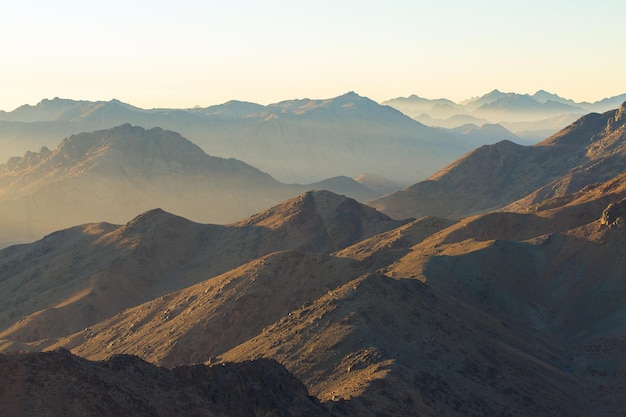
x,y
112,175
530,117
299,141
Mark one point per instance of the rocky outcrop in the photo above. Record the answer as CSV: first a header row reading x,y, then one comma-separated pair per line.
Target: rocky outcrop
x,y
58,383
614,215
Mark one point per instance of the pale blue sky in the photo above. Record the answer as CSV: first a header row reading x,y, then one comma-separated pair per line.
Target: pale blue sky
x,y
185,53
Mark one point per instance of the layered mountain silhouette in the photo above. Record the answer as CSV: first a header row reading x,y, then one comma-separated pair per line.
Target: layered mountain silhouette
x,y
114,174
531,118
588,151
516,310
296,141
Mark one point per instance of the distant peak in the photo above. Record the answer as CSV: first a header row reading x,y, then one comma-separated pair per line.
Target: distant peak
x,y
350,94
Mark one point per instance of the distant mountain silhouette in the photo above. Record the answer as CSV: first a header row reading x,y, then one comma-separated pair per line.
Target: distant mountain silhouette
x,y
114,174
485,134
519,107
296,141
530,117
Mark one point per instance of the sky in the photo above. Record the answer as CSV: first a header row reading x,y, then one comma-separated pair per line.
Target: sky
x,y
185,53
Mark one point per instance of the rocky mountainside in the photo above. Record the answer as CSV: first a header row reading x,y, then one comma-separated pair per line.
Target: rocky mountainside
x,y
296,141
58,384
589,150
114,174
479,317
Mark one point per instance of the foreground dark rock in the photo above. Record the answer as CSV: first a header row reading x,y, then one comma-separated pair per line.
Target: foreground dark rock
x,y
58,383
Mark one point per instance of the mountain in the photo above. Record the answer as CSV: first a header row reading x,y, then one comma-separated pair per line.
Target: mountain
x,y
531,117
377,183
354,187
114,174
492,176
537,130
477,102
60,384
605,104
521,107
485,134
451,122
415,106
542,96
296,141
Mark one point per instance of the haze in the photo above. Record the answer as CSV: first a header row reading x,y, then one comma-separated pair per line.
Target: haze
x,y
186,53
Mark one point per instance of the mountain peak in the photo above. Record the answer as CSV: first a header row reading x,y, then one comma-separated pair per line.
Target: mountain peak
x,y
132,141
152,220
350,95
335,221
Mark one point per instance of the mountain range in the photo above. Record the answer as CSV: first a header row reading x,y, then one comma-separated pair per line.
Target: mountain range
x,y
295,141
531,118
499,292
